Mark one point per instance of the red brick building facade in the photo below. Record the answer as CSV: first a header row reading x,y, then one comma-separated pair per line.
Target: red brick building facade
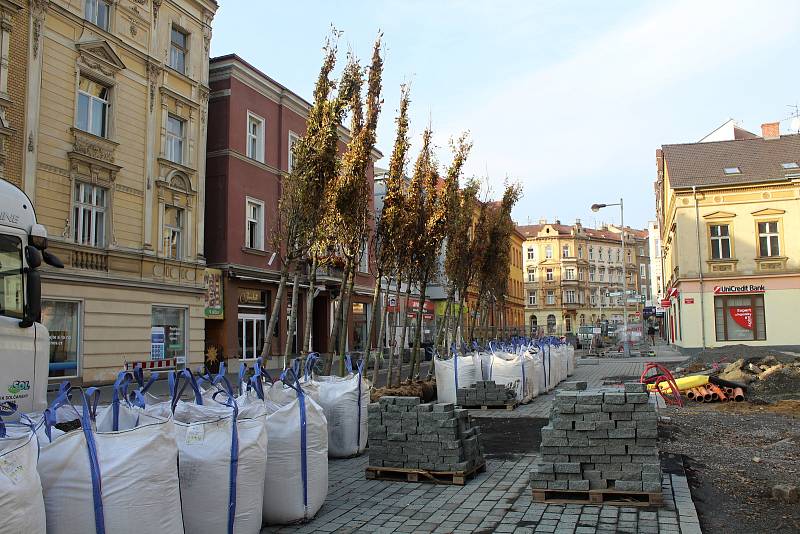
x,y
252,122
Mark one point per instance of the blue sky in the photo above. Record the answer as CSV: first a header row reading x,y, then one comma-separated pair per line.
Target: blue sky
x,y
571,99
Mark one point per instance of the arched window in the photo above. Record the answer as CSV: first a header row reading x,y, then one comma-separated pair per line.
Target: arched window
x,y
551,324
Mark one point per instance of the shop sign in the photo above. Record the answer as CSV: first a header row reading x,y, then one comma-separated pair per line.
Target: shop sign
x,y
249,296
427,307
157,339
688,300
666,303
212,279
391,303
738,290
660,312
743,315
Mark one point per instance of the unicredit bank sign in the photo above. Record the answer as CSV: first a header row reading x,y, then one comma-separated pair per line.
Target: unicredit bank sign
x,y
737,290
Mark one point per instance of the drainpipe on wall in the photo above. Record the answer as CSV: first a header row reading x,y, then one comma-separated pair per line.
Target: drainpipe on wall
x,y
699,267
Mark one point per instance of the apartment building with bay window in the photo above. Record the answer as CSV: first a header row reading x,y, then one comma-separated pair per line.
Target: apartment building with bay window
x,y
114,162
573,276
254,121
728,211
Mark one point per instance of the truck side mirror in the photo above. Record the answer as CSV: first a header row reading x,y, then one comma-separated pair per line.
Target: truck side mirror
x,y
33,306
52,260
34,256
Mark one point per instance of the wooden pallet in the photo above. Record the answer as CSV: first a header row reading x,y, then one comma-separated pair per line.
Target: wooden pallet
x,y
458,478
508,407
598,496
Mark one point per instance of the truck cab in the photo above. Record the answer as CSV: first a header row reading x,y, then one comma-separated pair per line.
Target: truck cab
x,y
24,341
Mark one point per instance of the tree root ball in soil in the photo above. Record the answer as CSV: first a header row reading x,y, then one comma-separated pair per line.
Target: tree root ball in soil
x,y
425,390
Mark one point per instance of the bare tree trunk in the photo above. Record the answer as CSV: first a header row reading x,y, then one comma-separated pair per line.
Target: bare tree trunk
x,y
381,341
346,317
312,283
459,324
416,362
441,335
390,370
276,312
333,340
290,331
405,333
376,314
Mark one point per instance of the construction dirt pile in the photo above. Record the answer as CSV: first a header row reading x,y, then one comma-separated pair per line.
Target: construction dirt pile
x,y
425,390
768,378
731,353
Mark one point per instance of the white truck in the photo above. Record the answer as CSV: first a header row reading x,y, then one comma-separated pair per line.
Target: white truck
x,y
24,341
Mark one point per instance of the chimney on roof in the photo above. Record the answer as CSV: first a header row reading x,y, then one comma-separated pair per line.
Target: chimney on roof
x,y
558,221
771,130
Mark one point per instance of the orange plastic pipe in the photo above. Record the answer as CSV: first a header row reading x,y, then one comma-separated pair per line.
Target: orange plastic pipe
x,y
738,395
691,394
718,391
702,393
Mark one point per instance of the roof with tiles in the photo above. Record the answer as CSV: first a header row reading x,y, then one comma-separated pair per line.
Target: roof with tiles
x,y
757,160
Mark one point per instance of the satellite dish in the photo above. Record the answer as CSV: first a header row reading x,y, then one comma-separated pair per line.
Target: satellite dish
x,y
794,124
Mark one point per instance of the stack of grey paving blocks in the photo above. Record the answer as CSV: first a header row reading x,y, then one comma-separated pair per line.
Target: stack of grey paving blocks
x,y
486,393
436,437
600,439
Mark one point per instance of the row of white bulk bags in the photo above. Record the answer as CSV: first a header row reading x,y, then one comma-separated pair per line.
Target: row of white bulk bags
x,y
344,401
454,373
97,480
519,369
296,481
21,501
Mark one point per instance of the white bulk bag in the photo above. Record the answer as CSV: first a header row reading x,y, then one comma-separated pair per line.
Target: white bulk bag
x,y
208,465
507,368
345,401
570,360
21,501
296,482
97,481
457,372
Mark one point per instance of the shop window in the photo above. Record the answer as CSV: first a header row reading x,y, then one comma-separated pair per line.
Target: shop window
x,y
740,318
62,319
89,215
168,324
252,322
11,289
179,43
768,239
92,112
359,318
720,241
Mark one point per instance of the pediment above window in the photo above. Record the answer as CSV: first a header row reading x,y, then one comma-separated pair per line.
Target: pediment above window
x,y
99,56
720,215
768,212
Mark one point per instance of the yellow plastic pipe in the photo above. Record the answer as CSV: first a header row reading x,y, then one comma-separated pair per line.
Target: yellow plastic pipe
x,y
684,383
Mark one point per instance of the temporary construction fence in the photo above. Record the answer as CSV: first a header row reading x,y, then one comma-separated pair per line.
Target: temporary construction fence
x,y
21,501
535,367
344,400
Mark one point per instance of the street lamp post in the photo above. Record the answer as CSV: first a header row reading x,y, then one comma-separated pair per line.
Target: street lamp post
x,y
626,347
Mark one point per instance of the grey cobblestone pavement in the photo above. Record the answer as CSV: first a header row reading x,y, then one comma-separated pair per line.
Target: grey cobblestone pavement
x,y
498,500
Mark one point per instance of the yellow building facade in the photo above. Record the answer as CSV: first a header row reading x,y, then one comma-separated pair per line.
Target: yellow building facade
x,y
573,276
728,211
116,111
